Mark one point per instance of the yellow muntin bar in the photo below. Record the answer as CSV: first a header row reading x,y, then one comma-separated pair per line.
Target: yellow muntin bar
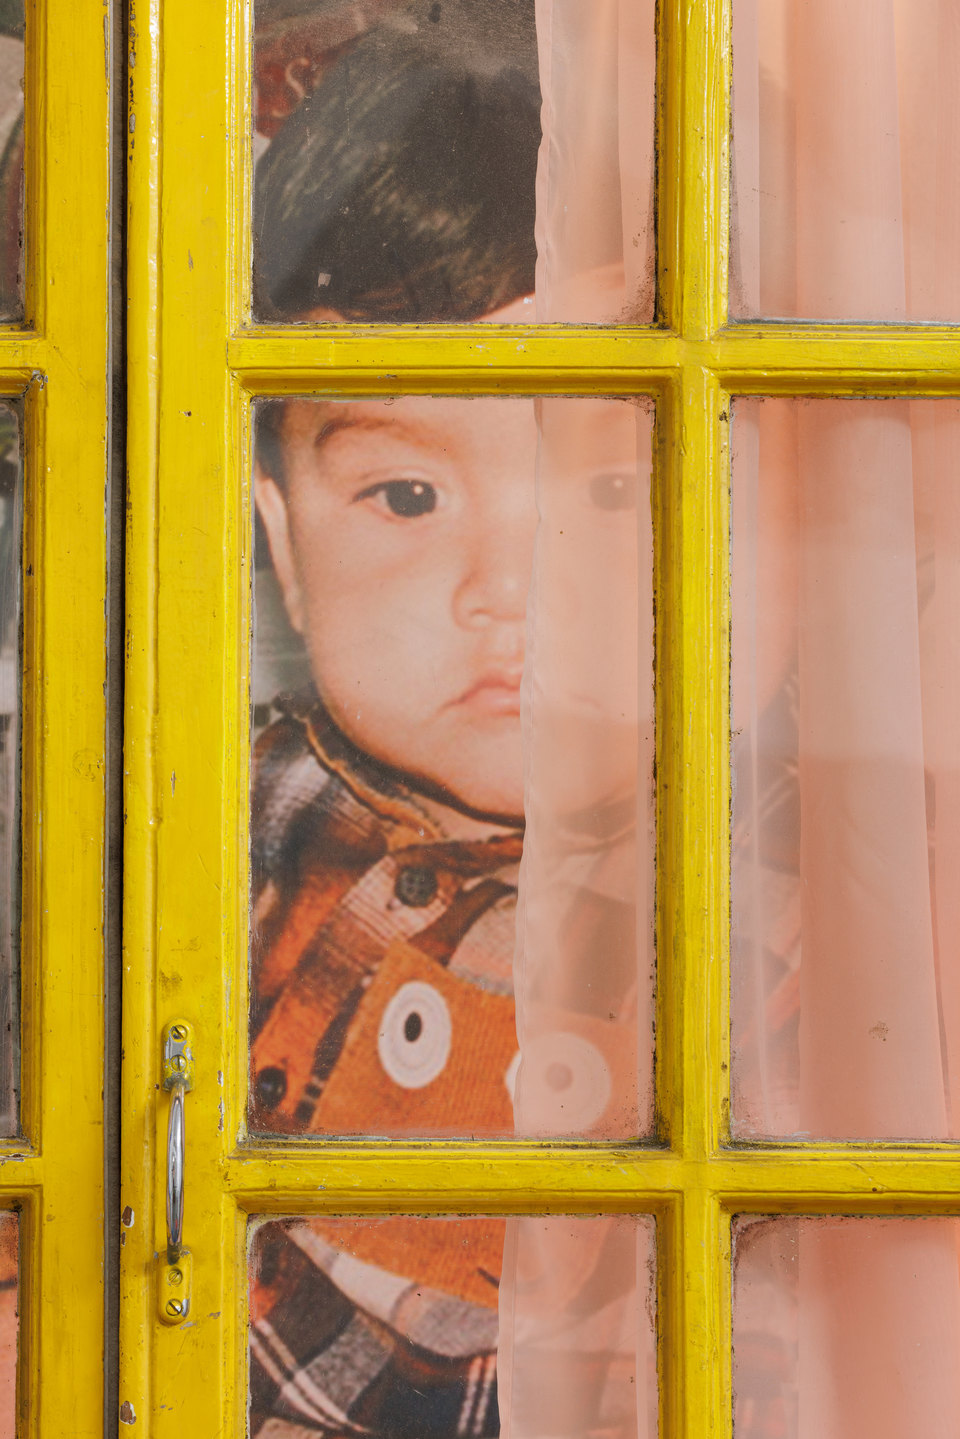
x,y
864,1178
769,358
450,1178
22,359
817,359
425,359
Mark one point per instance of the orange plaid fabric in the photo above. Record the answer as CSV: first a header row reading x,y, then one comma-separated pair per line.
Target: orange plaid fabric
x,y
381,1002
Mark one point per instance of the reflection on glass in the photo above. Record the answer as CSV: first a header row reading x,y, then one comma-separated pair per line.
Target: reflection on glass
x,y
846,758
400,174
845,1327
9,1322
11,158
432,664
846,152
404,1326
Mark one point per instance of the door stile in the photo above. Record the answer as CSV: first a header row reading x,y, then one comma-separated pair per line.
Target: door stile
x,y
56,362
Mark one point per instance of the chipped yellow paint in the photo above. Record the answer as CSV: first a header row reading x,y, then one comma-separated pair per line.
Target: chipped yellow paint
x,y
57,360
195,363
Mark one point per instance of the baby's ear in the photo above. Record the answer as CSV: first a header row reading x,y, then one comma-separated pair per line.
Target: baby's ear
x,y
272,508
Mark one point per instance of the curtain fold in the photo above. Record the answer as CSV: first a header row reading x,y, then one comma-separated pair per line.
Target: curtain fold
x,y
845,1002
577,1349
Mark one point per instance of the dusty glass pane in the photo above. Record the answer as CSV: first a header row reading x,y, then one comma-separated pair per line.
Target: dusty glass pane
x,y
453,646
11,159
9,1322
845,1327
453,160
404,1326
11,526
846,765
846,160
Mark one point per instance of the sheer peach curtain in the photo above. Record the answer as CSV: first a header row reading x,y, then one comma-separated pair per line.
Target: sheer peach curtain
x,y
577,1350
847,684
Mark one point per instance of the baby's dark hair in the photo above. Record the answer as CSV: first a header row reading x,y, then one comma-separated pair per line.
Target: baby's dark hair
x,y
402,189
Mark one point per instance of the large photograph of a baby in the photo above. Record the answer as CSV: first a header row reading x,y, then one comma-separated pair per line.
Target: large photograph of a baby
x,y
397,539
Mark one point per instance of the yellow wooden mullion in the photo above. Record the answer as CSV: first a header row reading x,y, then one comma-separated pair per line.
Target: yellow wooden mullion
x,y
693,617
692,607
692,149
701,1368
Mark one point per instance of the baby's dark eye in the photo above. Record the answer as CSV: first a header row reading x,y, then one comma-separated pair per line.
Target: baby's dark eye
x,y
614,492
407,499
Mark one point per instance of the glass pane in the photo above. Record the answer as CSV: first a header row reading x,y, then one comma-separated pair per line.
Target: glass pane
x,y
400,174
432,665
846,160
11,527
845,1327
11,159
9,1322
846,759
403,1327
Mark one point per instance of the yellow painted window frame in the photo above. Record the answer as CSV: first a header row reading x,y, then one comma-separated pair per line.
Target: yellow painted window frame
x,y
195,363
54,366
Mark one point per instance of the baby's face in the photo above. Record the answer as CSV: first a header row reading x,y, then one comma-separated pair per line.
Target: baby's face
x,y
403,539
404,544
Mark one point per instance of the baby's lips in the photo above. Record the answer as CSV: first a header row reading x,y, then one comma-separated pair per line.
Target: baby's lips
x,y
493,687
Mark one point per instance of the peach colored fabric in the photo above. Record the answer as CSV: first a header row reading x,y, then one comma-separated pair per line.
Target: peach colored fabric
x,y
576,1351
846,553
846,199
847,544
595,179
844,1327
584,961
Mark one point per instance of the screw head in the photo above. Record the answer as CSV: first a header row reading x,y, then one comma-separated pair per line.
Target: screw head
x,y
174,1276
179,1062
174,1308
178,1032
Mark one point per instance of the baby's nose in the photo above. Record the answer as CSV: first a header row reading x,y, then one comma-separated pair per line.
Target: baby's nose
x,y
498,563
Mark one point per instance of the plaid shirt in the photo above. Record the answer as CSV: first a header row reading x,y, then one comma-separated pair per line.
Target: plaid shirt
x,y
359,899
381,1001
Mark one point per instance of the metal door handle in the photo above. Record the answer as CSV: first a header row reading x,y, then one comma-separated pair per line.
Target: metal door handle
x,y
176,1135
176,1267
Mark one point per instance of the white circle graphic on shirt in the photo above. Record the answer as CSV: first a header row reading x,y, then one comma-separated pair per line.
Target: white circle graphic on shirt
x,y
415,1035
566,1081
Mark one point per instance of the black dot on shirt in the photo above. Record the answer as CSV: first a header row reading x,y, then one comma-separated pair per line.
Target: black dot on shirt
x,y
271,1087
416,886
412,1027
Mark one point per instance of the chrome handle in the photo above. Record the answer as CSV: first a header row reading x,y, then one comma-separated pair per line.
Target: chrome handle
x,y
177,1077
176,1134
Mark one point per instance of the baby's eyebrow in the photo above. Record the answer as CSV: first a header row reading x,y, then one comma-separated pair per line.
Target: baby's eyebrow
x,y
339,422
